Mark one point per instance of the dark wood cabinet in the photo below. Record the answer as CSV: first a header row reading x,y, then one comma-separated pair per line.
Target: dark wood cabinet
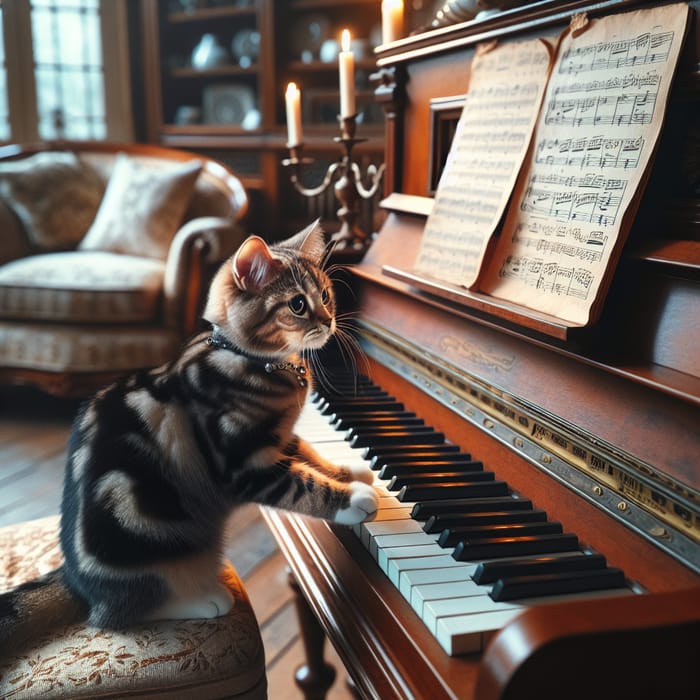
x,y
215,72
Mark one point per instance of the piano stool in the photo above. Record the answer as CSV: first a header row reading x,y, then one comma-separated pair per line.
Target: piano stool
x,y
183,659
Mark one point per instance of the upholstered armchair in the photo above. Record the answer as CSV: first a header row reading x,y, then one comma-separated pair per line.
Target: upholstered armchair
x,y
105,254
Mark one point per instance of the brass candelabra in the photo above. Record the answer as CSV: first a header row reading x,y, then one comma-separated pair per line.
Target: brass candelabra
x,y
349,187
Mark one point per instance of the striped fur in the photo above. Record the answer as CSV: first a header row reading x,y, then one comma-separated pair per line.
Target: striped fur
x,y
159,460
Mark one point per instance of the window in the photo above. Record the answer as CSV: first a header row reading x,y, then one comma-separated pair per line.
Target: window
x,y
58,57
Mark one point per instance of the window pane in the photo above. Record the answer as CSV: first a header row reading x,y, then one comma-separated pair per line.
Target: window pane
x,y
4,114
68,68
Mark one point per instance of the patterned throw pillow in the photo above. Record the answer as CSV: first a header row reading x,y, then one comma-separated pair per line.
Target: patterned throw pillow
x,y
142,208
55,196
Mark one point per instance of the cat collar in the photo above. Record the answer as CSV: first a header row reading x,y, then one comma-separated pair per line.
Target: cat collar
x,y
299,371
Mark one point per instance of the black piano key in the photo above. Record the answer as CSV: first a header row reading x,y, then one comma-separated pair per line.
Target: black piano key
x,y
380,417
457,489
349,396
397,436
437,452
346,406
342,388
337,412
464,466
425,509
451,537
345,391
405,452
438,523
362,424
557,584
364,427
491,571
400,480
514,546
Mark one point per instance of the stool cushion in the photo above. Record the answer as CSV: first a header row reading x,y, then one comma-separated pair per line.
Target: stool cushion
x,y
199,659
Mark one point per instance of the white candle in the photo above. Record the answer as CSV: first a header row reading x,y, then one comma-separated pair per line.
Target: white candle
x,y
392,20
346,72
293,102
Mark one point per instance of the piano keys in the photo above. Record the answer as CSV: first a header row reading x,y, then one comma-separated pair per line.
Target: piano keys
x,y
459,598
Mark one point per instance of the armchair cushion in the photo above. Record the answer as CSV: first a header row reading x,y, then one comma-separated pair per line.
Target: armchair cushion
x,y
57,348
143,207
55,195
82,287
13,239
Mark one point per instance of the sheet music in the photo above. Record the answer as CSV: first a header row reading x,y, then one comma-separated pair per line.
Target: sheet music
x,y
490,142
596,134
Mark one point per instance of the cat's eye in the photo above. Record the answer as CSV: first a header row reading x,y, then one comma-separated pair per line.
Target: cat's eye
x,y
325,297
297,304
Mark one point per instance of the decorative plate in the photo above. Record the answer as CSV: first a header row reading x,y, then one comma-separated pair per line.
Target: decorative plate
x,y
227,104
246,45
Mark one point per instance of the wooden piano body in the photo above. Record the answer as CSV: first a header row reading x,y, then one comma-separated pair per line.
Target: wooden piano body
x,y
532,401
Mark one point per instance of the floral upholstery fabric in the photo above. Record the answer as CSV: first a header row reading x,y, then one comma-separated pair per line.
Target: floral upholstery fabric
x,y
55,195
58,348
143,207
82,287
182,659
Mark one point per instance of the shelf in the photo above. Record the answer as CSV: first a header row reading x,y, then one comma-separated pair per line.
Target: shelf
x,y
368,64
324,4
218,72
209,13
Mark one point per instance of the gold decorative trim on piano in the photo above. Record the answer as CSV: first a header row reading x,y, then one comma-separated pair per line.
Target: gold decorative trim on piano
x,y
662,510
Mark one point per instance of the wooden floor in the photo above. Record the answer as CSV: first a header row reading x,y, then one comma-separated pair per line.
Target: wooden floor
x,y
34,429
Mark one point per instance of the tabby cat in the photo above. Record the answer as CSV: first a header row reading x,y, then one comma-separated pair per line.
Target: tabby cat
x,y
158,461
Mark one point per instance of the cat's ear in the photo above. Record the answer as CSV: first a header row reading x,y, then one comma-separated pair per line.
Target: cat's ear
x,y
253,265
311,241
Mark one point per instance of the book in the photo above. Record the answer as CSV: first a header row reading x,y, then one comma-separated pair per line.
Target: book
x,y
549,160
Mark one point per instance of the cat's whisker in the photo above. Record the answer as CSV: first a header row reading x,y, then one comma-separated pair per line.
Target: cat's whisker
x,y
350,349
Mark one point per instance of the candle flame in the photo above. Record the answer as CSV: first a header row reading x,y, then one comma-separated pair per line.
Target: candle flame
x,y
292,89
345,40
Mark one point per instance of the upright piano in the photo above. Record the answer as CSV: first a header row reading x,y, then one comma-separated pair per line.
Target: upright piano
x,y
599,427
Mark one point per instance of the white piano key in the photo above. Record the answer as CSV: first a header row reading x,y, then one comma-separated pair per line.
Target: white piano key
x,y
390,507
465,634
434,558
376,528
409,579
444,590
394,514
400,539
472,605
385,557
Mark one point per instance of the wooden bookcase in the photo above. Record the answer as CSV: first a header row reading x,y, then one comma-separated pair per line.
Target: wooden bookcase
x,y
233,109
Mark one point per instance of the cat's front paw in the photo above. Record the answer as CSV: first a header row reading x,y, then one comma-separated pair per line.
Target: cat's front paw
x,y
362,506
362,474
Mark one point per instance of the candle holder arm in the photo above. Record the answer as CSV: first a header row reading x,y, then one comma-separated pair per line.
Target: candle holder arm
x,y
314,191
375,177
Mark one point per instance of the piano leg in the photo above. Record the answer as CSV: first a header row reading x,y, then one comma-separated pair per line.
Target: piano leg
x,y
315,677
